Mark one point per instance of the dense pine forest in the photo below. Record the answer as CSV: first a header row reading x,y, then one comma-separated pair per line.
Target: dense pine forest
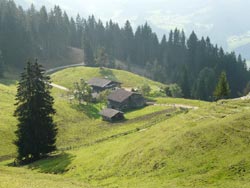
x,y
194,64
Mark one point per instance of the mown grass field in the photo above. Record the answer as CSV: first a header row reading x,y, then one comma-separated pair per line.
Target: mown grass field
x,y
67,77
22,178
78,124
7,121
157,146
208,147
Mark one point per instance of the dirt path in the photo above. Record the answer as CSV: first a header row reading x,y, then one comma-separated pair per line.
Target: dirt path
x,y
59,87
60,68
247,97
178,106
83,64
64,67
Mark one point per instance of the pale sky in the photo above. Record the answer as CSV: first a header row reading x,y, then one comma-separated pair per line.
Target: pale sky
x,y
166,14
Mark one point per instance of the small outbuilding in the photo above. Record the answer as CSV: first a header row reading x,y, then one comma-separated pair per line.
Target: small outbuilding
x,y
100,84
112,115
121,99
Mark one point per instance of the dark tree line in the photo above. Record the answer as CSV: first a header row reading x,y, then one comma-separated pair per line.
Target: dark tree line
x,y
32,33
194,64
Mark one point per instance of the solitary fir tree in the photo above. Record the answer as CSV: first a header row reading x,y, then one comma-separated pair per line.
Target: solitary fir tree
x,y
36,133
222,89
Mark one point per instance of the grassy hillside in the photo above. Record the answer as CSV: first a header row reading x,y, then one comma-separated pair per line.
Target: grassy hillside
x,y
23,178
157,146
77,125
68,76
7,121
208,147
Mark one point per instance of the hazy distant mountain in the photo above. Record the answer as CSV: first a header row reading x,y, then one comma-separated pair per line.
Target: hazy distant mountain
x,y
224,21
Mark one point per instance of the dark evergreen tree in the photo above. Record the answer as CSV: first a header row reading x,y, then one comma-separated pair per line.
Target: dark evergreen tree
x,y
79,30
222,89
101,58
73,33
204,86
36,132
88,54
167,91
171,37
128,39
192,45
185,83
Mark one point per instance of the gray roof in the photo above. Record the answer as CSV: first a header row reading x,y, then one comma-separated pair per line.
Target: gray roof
x,y
108,112
99,82
119,95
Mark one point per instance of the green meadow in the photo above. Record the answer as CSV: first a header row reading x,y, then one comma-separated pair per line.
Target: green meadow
x,y
161,145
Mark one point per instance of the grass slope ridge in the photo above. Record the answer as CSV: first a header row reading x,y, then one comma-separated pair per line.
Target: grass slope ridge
x,y
77,125
68,76
156,147
23,178
208,147
7,121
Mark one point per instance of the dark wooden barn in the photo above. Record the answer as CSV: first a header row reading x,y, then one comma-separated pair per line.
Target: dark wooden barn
x,y
100,84
111,115
121,99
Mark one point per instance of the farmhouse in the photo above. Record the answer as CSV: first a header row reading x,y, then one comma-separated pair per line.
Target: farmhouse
x,y
121,99
111,115
100,84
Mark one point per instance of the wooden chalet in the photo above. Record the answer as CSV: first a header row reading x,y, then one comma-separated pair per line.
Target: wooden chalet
x,y
121,99
100,84
111,115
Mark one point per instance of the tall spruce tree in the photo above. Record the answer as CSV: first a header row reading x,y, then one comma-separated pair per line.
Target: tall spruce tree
x,y
36,133
204,87
88,53
222,89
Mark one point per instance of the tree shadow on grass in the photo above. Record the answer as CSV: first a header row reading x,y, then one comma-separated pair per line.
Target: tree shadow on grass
x,y
108,74
90,110
134,109
57,164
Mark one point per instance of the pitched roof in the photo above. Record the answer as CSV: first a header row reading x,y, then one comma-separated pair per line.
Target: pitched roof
x,y
119,95
108,112
99,82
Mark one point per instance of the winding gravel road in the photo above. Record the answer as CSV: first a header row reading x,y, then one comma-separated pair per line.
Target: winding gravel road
x,y
64,67
60,68
59,87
